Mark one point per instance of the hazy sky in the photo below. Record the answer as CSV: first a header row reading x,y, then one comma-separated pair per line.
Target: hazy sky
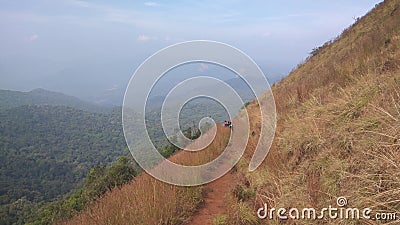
x,y
90,47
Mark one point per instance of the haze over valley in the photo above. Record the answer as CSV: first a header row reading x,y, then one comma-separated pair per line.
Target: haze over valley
x,y
72,153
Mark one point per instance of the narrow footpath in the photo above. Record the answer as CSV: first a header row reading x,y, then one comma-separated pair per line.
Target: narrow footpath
x,y
214,201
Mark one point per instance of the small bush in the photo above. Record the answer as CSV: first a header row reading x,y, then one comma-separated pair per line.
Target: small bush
x,y
243,214
243,194
220,220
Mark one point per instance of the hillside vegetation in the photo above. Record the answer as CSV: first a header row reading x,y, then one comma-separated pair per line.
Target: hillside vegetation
x,y
338,134
338,128
46,152
149,201
51,142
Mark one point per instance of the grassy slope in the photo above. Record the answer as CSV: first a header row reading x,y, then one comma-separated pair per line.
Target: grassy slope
x,y
149,201
339,124
337,135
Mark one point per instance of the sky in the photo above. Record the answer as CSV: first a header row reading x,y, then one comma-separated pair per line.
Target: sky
x,y
91,48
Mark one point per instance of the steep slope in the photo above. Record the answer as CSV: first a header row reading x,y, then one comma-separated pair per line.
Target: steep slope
x,y
338,134
338,126
149,201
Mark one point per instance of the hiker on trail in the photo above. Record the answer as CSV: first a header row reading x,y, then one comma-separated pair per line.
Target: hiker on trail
x,y
228,124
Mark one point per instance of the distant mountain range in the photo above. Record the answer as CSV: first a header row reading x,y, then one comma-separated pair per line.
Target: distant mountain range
x,y
11,99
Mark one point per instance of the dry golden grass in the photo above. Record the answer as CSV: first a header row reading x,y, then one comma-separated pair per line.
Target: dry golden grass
x,y
338,134
338,130
149,201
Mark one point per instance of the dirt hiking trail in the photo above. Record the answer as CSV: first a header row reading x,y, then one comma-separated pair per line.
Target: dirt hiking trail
x,y
214,201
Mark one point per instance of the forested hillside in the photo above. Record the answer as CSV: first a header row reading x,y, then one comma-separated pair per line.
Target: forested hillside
x,y
47,150
51,142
